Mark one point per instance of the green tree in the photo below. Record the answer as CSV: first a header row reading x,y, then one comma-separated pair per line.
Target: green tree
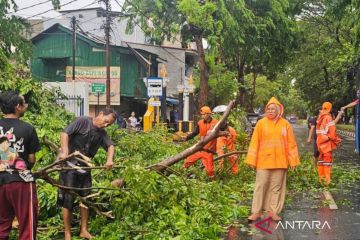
x,y
324,65
165,19
12,42
264,90
223,85
258,38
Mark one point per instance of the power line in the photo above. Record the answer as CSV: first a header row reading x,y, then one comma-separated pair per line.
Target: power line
x,y
141,13
63,14
51,9
91,30
34,5
123,10
88,20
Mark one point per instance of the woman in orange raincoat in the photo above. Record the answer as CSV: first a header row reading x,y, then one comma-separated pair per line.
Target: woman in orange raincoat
x,y
272,150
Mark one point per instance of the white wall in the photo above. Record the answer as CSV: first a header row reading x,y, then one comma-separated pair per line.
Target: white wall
x,y
80,89
92,23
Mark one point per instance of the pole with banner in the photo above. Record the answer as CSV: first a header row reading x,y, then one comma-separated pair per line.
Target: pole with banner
x,y
163,74
98,89
98,104
180,89
155,89
191,89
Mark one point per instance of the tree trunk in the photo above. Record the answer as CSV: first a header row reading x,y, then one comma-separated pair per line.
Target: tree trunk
x,y
214,133
204,73
241,80
326,77
251,107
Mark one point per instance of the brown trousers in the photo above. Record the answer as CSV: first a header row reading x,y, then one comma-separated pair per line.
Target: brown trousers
x,y
270,189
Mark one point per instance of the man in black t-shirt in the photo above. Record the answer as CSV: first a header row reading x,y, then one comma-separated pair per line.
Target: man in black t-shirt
x,y
19,143
85,135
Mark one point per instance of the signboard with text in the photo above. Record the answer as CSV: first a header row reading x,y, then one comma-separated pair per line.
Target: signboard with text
x,y
155,103
154,87
98,88
96,76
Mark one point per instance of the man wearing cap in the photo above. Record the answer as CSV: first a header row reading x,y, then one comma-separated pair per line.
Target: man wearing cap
x,y
327,140
206,154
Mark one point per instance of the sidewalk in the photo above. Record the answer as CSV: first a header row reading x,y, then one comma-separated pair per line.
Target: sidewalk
x,y
309,215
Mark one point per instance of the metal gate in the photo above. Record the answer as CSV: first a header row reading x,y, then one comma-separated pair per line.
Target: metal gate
x,y
74,104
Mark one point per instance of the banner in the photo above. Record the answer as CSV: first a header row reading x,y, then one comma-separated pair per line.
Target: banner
x,y
97,76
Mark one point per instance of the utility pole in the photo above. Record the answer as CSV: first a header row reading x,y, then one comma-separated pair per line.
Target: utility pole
x,y
163,74
191,88
107,37
73,25
180,88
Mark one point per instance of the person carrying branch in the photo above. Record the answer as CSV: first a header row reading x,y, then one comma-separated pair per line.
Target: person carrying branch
x,y
226,144
205,125
19,143
85,135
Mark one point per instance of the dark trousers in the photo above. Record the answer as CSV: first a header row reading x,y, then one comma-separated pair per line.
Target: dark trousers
x,y
18,199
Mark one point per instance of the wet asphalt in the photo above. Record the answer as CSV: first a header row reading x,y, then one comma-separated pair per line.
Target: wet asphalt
x,y
308,216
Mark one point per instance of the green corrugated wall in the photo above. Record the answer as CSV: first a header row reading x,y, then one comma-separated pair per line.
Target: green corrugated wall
x,y
53,52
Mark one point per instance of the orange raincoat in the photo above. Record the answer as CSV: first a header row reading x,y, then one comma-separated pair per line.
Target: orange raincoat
x,y
326,137
209,149
327,140
273,143
227,143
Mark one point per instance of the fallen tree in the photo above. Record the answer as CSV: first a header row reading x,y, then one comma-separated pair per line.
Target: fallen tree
x,y
59,165
214,133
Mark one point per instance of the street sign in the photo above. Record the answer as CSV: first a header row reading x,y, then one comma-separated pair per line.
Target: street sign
x,y
154,87
98,87
155,103
189,88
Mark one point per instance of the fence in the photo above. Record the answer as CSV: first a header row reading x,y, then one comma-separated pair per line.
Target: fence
x,y
74,104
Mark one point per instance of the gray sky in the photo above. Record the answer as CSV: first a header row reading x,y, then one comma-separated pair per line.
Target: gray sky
x,y
47,6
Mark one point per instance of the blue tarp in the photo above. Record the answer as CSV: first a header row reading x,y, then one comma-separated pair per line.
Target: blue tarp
x,y
172,101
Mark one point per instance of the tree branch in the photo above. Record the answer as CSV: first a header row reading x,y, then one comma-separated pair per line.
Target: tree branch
x,y
82,199
82,168
229,154
214,133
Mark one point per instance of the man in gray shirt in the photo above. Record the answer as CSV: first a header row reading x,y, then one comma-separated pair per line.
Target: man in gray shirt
x,y
85,135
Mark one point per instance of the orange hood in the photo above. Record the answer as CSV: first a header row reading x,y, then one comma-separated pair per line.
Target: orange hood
x,y
326,108
273,100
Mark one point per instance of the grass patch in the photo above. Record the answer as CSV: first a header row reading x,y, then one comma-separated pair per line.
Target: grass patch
x,y
346,127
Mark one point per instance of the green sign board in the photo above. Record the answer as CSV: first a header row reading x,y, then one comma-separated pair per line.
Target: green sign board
x,y
98,87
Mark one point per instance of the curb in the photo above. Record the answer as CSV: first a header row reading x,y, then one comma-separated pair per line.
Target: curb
x,y
346,133
330,199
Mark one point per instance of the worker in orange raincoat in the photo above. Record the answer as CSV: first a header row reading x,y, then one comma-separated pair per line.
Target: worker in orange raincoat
x,y
327,140
226,144
206,124
272,150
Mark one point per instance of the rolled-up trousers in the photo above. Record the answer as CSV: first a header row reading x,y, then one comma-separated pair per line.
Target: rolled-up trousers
x,y
206,159
270,190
